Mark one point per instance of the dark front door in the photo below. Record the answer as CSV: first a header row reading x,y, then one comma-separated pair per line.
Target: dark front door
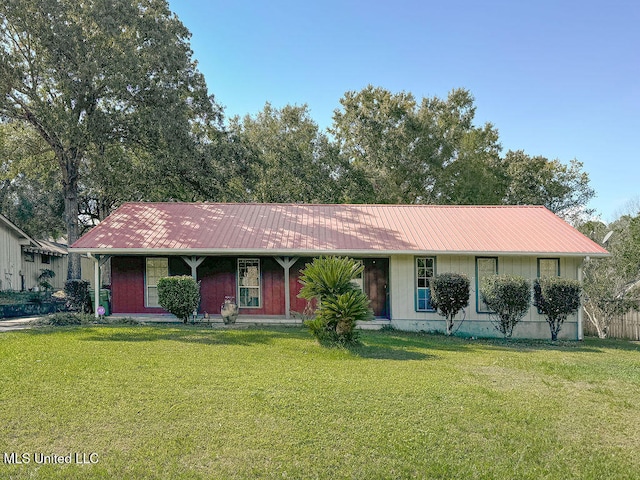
x,y
376,284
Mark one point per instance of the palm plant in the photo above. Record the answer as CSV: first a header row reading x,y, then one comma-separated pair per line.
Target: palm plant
x,y
341,304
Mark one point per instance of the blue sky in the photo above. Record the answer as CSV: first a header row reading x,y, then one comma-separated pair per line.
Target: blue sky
x,y
557,78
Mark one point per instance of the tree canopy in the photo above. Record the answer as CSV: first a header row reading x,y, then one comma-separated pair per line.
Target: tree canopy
x,y
100,81
612,285
102,103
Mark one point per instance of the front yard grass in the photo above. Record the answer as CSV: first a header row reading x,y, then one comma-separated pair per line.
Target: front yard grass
x,y
190,402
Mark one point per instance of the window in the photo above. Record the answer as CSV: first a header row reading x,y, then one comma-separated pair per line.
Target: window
x,y
249,282
29,257
156,268
425,269
548,267
485,266
46,259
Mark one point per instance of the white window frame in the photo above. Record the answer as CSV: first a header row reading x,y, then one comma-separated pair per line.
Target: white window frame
x,y
480,305
423,282
249,283
151,277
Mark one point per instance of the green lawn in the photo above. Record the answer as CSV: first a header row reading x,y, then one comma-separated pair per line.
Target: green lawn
x,y
189,402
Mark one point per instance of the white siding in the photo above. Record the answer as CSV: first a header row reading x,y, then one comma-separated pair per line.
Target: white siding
x,y
59,265
405,317
32,270
9,259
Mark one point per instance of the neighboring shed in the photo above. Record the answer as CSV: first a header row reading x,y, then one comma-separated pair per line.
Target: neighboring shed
x,y
255,252
12,239
22,259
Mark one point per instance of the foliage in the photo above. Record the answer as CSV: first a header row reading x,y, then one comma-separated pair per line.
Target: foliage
x,y
179,295
63,319
292,161
449,294
44,277
508,299
8,297
329,276
418,154
612,284
337,316
341,304
563,189
77,294
30,186
102,82
556,298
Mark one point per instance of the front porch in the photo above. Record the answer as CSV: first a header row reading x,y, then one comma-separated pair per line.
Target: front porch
x,y
242,320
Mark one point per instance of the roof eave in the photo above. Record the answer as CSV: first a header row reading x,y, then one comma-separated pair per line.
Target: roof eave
x,y
313,253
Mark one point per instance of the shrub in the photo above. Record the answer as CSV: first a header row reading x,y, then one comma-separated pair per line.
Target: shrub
x,y
179,295
337,316
64,319
508,298
449,294
340,303
556,298
77,294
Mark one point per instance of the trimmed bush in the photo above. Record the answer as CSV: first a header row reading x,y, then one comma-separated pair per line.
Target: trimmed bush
x,y
340,303
77,295
449,294
179,295
556,298
508,297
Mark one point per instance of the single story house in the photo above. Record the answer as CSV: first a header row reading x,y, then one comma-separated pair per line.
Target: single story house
x,y
22,259
255,252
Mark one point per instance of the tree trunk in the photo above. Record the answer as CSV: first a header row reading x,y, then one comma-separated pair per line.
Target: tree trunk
x,y
70,188
554,331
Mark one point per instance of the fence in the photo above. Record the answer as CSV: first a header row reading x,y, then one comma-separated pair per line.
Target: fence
x,y
626,326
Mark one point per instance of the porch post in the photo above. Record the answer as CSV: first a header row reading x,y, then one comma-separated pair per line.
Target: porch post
x,y
194,262
580,332
286,263
96,284
98,261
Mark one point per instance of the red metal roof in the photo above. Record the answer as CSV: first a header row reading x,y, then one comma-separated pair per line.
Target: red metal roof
x,y
200,228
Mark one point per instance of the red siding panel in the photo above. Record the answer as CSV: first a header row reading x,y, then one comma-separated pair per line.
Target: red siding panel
x,y
297,304
217,276
127,286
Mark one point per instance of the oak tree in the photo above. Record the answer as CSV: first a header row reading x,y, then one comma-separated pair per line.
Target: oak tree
x,y
90,75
